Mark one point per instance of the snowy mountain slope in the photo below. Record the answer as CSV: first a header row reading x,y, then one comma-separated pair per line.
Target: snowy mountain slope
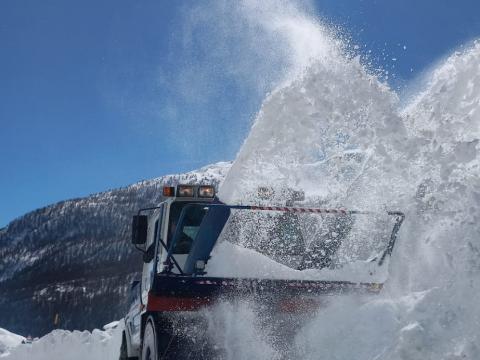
x,y
74,259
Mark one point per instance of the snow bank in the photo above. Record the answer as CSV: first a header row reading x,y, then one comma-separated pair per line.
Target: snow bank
x,y
317,134
73,345
433,324
8,341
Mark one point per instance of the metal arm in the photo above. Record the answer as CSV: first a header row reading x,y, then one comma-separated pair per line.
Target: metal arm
x,y
393,236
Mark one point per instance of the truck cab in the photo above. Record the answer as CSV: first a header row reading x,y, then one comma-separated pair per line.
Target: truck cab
x,y
153,231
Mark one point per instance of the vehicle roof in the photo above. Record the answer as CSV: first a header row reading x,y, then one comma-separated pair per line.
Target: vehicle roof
x,y
171,200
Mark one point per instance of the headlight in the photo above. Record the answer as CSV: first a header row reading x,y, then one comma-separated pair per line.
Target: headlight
x,y
185,191
206,191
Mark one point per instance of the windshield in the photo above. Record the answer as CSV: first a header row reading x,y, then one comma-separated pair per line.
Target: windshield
x,y
243,241
189,227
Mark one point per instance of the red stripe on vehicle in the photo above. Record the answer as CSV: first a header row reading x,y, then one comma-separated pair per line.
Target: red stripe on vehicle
x,y
170,303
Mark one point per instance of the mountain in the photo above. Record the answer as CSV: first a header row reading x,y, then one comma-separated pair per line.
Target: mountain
x,y
70,264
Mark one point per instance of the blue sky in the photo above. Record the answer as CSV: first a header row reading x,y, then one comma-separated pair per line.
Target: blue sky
x,y
99,94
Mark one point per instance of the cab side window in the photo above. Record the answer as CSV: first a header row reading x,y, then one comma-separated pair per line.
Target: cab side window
x,y
188,228
155,232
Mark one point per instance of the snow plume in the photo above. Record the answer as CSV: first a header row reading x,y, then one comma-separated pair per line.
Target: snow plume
x,y
317,133
444,125
329,101
235,328
339,134
237,51
256,44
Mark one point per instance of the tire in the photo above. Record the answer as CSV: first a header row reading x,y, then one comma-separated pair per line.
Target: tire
x,y
149,343
123,349
159,343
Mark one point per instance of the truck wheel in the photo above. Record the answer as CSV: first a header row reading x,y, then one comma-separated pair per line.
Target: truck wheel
x,y
156,341
149,345
123,349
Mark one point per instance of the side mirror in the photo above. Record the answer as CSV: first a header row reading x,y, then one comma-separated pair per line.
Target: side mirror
x,y
134,284
139,229
149,254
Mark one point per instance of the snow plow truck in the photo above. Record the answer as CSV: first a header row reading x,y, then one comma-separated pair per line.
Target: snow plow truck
x,y
191,236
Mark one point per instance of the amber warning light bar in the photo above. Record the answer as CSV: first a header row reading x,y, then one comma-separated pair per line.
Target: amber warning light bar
x,y
202,191
168,191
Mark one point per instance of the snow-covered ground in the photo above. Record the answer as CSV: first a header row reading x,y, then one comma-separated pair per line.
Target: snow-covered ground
x,y
8,341
71,345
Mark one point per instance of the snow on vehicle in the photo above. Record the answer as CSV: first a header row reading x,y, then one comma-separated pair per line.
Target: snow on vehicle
x,y
198,251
